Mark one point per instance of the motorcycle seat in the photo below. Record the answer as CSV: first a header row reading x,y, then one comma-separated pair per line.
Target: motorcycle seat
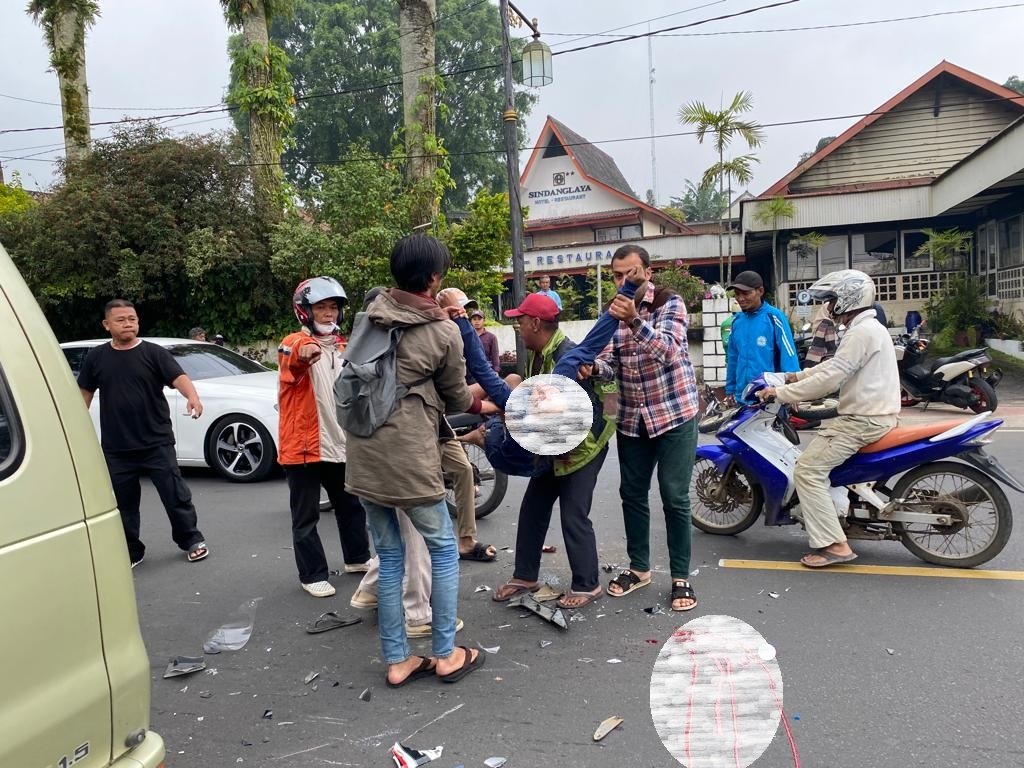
x,y
967,354
902,435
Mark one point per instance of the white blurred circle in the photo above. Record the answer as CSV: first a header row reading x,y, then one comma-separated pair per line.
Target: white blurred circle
x,y
716,700
549,414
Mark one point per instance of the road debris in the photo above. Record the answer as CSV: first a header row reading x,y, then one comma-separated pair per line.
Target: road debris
x,y
773,595
891,651
492,650
547,593
546,612
495,762
544,643
607,726
407,757
268,714
184,665
233,634
482,588
655,610
366,694
549,548
311,677
614,661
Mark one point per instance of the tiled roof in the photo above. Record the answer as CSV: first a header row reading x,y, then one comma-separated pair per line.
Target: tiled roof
x,y
594,162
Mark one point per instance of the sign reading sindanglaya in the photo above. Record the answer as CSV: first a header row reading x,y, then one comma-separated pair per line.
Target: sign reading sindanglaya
x,y
558,194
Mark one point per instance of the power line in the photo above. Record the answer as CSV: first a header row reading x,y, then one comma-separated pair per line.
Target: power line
x,y
806,29
585,35
113,109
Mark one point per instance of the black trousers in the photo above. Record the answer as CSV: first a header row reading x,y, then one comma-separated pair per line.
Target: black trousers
x,y
574,494
161,465
304,482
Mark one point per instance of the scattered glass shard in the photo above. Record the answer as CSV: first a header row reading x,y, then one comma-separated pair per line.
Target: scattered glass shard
x,y
184,665
205,694
544,643
600,615
492,649
607,726
577,617
773,595
268,714
495,762
695,571
233,634
586,661
311,677
407,757
890,651
366,694
614,661
482,588
655,610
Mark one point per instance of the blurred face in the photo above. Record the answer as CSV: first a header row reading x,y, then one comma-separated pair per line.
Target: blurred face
x,y
622,267
326,312
545,283
122,323
478,322
749,300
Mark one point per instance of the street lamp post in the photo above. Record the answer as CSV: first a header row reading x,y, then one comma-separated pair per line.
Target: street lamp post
x,y
536,71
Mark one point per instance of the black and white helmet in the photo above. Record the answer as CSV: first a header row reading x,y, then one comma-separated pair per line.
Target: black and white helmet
x,y
851,288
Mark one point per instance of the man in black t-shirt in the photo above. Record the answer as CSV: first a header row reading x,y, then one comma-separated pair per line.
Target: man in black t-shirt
x,y
135,426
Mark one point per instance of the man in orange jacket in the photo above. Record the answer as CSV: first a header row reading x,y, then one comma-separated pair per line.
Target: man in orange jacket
x,y
311,443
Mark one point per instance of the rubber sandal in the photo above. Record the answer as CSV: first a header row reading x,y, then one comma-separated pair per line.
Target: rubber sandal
x,y
588,598
682,592
425,668
197,552
329,620
468,665
628,582
508,590
831,558
479,554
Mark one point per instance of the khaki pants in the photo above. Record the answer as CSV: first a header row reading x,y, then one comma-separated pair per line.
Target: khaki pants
x,y
837,442
416,584
455,464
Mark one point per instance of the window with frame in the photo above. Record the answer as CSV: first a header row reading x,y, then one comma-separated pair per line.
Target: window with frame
x,y
913,239
12,439
606,234
801,261
527,241
875,253
630,231
1011,252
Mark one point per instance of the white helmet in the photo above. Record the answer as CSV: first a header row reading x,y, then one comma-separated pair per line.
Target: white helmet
x,y
851,288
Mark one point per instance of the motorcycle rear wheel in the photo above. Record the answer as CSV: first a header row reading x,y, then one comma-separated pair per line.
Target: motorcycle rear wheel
x,y
987,400
491,483
981,512
735,513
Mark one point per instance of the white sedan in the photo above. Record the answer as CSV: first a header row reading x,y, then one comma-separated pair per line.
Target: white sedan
x,y
237,433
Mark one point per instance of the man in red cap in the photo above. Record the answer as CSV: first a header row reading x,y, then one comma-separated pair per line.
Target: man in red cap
x,y
570,480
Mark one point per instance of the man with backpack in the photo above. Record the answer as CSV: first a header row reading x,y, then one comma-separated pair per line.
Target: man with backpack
x,y
394,457
311,443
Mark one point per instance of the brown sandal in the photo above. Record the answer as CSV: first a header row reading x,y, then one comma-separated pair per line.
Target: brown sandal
x,y
511,589
585,598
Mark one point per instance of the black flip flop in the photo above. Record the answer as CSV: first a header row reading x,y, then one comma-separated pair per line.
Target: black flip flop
x,y
468,665
628,582
479,554
328,621
425,668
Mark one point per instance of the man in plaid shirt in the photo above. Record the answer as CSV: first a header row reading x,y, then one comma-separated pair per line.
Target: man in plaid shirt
x,y
658,404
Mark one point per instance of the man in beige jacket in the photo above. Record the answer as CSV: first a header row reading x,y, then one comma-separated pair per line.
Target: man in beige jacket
x,y
865,373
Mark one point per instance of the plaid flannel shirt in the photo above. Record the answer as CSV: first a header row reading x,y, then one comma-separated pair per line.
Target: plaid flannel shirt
x,y
657,386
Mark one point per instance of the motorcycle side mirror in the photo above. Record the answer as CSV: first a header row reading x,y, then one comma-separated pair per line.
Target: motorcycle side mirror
x,y
805,327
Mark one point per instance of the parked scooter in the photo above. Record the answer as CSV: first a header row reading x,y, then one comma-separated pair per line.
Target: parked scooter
x,y
964,379
945,512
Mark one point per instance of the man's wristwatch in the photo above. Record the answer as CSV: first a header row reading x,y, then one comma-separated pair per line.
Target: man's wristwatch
x,y
635,323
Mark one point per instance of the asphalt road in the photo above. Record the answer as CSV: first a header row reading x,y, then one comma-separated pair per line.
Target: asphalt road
x,y
877,670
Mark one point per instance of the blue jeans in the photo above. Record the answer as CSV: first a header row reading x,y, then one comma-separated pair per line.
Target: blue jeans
x,y
434,524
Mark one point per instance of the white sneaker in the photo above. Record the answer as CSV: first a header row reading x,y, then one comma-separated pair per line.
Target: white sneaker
x,y
357,567
319,588
424,630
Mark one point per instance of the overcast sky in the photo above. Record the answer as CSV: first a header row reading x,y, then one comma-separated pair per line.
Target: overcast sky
x,y
171,53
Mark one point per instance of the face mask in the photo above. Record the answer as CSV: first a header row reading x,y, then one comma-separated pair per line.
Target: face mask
x,y
321,329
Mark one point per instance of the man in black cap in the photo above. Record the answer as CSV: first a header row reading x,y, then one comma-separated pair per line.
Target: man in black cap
x,y
761,338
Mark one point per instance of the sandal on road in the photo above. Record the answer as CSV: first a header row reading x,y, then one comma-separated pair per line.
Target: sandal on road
x,y
573,600
479,553
426,667
830,558
681,590
197,552
627,581
511,589
329,620
469,663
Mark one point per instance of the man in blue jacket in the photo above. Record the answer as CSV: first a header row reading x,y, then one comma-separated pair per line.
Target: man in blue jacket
x,y
761,339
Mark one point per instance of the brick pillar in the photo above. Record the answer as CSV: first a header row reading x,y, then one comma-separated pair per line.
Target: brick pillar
x,y
713,312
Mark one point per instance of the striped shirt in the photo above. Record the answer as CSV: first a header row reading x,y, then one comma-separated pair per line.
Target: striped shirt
x,y
657,386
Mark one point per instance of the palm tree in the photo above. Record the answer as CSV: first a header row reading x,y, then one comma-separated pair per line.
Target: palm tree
x,y
64,23
771,212
725,125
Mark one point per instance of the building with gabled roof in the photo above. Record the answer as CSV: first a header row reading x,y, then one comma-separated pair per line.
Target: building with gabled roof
x,y
946,152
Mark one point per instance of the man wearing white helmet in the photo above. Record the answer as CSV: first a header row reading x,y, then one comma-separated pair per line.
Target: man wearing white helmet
x,y
865,373
311,444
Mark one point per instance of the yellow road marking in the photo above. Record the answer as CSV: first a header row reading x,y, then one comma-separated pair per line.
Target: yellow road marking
x,y
877,570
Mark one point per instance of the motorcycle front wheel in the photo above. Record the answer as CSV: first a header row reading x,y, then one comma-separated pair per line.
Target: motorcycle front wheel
x,y
978,508
985,395
817,410
726,510
490,484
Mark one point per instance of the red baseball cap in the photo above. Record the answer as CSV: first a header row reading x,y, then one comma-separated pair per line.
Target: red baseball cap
x,y
536,305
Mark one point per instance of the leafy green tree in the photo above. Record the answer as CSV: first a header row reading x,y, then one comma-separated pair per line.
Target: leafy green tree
x,y
691,288
724,125
772,213
166,222
1014,83
823,142
261,89
340,49
700,203
64,23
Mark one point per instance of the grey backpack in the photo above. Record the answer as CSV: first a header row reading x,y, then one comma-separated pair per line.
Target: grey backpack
x,y
367,391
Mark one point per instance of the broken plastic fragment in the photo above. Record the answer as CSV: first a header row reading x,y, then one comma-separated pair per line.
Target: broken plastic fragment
x,y
890,651
609,567
268,714
773,595
546,612
495,762
695,571
407,757
607,726
366,694
614,661
544,643
311,677
482,588
184,665
492,649
205,694
577,617
233,634
586,661
655,610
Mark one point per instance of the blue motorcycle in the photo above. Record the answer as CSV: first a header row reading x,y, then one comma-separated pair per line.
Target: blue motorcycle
x,y
931,487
